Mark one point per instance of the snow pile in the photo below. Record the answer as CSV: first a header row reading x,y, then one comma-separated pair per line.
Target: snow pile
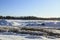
x,y
4,23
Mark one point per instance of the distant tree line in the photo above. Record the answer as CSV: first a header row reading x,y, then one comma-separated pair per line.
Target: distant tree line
x,y
28,18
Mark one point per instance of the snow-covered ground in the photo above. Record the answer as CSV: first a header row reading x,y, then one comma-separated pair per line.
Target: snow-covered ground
x,y
14,36
34,23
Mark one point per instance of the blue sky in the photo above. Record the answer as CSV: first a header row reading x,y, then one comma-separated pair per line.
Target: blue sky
x,y
39,8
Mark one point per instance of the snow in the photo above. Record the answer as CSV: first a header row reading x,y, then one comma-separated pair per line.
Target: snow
x,y
5,22
14,37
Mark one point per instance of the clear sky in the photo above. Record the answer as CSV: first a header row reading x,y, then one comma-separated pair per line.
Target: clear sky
x,y
39,8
